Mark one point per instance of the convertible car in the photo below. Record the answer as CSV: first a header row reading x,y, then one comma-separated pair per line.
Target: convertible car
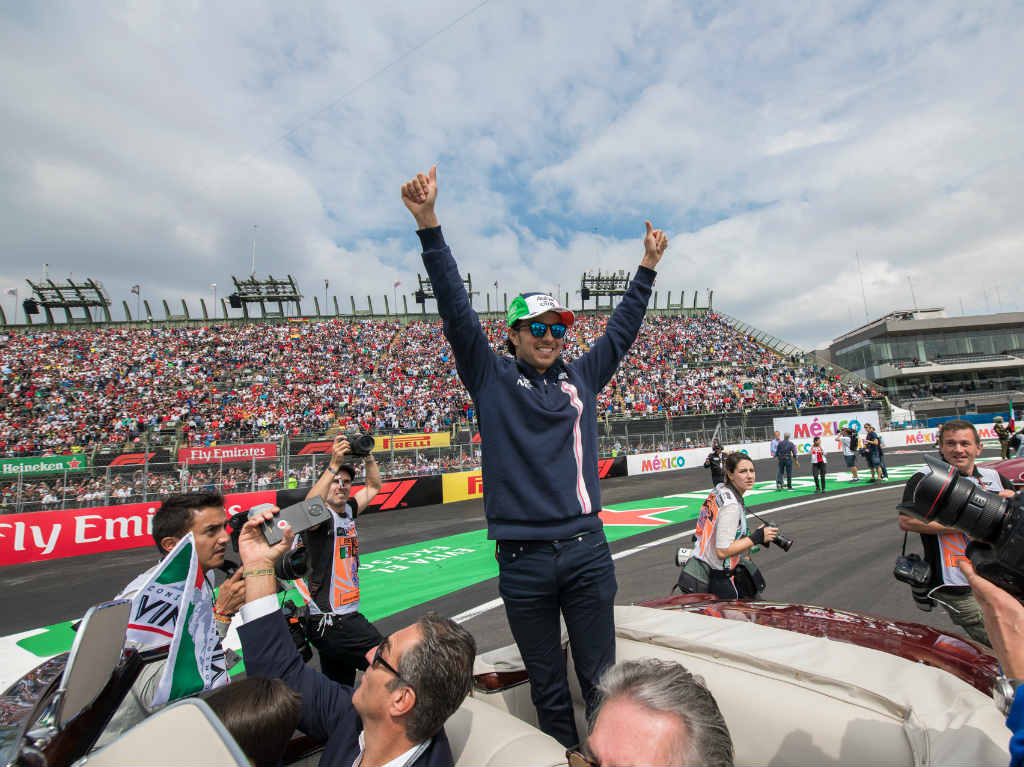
x,y
797,685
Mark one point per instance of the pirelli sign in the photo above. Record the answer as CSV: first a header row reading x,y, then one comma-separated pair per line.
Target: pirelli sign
x,y
383,443
462,486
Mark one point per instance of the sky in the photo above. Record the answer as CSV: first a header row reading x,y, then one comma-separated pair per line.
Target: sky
x,y
777,144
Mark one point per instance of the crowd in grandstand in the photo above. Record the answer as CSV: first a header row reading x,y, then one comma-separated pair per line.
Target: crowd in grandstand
x,y
117,389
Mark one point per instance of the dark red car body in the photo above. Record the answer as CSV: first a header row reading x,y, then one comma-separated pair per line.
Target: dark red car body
x,y
923,644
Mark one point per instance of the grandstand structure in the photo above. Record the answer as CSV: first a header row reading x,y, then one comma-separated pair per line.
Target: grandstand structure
x,y
125,405
937,365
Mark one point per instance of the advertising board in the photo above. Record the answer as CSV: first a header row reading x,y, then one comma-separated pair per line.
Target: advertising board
x,y
259,451
50,464
824,425
462,485
384,442
42,535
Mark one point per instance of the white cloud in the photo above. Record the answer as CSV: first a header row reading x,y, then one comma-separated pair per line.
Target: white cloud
x,y
142,142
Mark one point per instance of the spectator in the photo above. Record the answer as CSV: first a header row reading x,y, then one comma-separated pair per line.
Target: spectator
x,y
655,712
261,715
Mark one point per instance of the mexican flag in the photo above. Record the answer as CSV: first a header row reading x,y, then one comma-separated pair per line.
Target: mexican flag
x,y
175,605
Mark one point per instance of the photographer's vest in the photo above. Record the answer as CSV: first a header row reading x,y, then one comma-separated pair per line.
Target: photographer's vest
x,y
953,546
332,583
707,525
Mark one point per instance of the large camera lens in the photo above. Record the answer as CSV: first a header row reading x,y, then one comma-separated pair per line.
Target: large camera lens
x,y
783,542
939,493
360,444
292,565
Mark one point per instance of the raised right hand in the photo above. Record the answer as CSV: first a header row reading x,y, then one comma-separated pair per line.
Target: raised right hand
x,y
419,195
253,548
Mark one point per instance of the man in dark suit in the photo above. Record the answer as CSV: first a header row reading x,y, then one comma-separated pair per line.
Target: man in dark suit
x,y
416,678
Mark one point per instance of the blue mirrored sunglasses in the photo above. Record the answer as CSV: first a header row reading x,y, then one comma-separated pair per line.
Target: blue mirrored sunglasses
x,y
540,329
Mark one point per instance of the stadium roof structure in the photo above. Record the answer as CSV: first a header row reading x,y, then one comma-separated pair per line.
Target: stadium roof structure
x,y
49,295
271,290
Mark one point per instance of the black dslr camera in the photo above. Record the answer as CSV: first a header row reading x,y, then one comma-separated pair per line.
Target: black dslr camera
x,y
912,570
781,541
360,445
301,516
994,524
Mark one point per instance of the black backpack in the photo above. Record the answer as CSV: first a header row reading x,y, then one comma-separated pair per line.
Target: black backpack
x,y
854,442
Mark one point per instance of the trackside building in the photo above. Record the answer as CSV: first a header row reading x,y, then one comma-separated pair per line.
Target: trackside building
x,y
939,364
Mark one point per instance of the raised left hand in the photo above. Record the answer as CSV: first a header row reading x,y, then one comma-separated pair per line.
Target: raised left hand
x,y
655,243
231,594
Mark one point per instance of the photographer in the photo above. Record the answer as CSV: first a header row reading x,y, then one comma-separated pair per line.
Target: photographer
x,y
716,462
722,535
945,547
335,626
1004,622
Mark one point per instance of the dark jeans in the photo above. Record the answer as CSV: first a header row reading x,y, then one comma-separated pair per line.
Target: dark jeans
x,y
342,644
785,466
818,472
540,579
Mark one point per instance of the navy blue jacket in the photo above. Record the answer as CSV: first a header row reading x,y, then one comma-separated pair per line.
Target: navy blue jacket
x,y
538,432
785,449
327,711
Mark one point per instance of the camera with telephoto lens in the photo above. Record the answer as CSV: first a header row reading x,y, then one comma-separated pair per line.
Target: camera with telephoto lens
x,y
994,524
360,445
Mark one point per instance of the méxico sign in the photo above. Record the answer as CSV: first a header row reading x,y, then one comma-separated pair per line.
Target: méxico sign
x,y
824,425
51,464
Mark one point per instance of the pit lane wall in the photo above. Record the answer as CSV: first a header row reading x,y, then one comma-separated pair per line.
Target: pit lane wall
x,y
45,535
677,460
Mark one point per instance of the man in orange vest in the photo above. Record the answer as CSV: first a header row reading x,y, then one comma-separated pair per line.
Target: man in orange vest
x,y
335,626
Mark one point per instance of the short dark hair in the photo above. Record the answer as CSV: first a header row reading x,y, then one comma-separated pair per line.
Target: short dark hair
x,y
958,425
174,517
439,668
665,686
261,715
509,346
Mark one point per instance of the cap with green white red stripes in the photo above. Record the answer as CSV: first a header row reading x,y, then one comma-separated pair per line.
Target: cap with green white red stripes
x,y
526,306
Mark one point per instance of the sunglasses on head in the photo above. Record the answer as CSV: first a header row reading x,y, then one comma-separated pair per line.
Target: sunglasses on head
x,y
540,329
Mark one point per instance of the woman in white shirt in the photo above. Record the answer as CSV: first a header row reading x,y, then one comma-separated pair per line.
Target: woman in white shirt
x,y
722,535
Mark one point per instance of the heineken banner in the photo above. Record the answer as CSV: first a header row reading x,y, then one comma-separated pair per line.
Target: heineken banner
x,y
51,464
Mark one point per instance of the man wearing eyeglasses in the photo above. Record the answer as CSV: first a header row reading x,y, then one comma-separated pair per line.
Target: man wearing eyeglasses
x,y
414,680
537,419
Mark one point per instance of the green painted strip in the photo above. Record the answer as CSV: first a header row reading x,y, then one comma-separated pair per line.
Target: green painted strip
x,y
403,577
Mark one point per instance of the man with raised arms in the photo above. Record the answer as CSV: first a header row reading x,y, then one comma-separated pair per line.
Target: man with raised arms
x,y
537,418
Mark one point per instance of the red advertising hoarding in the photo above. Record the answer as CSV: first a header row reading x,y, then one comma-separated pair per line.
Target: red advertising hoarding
x,y
43,535
228,453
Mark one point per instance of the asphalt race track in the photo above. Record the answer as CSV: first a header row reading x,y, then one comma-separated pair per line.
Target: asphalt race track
x,y
842,557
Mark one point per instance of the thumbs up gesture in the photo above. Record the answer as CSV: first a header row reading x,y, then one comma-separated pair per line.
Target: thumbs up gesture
x,y
419,195
655,243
